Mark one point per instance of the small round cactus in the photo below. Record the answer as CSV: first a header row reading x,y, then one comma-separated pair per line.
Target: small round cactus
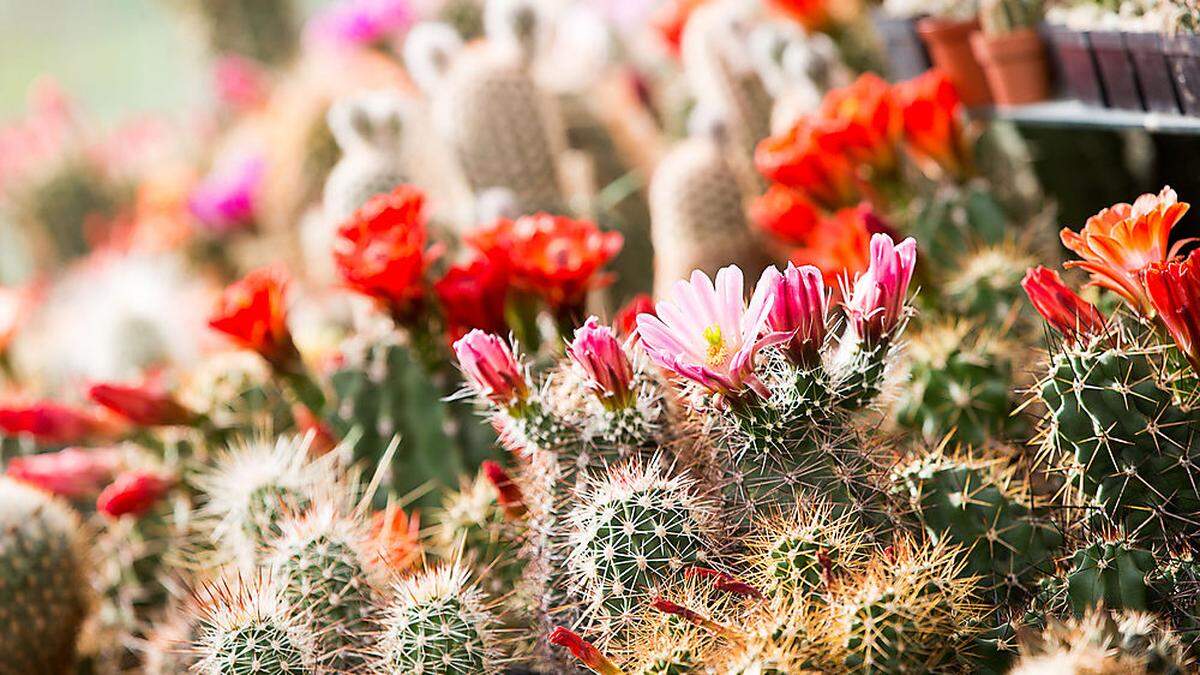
x,y
43,600
800,551
437,622
987,285
246,629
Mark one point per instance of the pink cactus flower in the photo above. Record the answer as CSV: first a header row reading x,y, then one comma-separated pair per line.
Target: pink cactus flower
x,y
361,23
876,305
799,307
610,375
72,473
226,199
491,368
708,334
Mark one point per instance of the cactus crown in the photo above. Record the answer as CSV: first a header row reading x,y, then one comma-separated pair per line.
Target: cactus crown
x,y
246,628
800,551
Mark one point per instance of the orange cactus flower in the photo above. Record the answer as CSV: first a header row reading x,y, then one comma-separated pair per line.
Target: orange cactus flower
x,y
933,118
380,251
1118,243
871,121
253,313
394,538
1174,290
810,158
840,246
785,214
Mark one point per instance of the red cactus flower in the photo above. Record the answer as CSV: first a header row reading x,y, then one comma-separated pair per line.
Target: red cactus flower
x,y
508,494
73,473
810,158
55,424
1118,243
785,214
626,319
253,313
1068,313
394,538
146,405
474,295
585,651
1174,290
133,493
322,439
380,251
553,257
840,246
934,129
871,123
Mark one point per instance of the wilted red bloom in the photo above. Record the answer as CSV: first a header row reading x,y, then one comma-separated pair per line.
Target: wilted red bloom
x,y
508,494
933,123
691,616
395,538
810,158
1070,314
724,582
253,312
1174,289
146,405
553,257
670,19
1118,243
583,650
785,214
474,295
812,14
840,246
626,319
380,251
871,123
53,423
133,493
72,473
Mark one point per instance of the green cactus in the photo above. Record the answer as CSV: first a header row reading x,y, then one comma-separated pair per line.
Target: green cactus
x,y
986,286
800,551
322,576
955,221
245,629
1110,573
438,623
43,596
1121,440
998,17
979,505
471,524
959,386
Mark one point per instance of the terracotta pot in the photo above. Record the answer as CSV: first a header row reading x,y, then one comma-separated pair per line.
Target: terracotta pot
x,y
949,44
1015,65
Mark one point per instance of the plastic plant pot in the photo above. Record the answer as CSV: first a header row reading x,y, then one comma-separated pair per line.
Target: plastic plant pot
x,y
1076,65
1149,55
949,44
1116,70
1183,54
904,51
1015,66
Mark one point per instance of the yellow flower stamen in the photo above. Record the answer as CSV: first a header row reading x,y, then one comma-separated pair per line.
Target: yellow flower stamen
x,y
716,345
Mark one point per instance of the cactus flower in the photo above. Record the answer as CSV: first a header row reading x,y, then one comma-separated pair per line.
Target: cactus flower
x,y
841,244
133,493
474,295
596,350
73,473
361,23
785,214
508,495
1174,290
723,581
585,651
55,424
146,405
252,312
491,368
708,334
933,117
626,319
809,158
876,305
224,201
870,119
380,251
690,615
1118,243
799,307
395,538
1068,313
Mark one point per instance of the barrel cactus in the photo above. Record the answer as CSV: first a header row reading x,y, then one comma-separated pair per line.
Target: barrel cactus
x,y
245,628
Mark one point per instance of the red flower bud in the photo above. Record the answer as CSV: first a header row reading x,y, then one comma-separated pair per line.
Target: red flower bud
x,y
1068,313
585,651
145,405
133,493
509,495
73,473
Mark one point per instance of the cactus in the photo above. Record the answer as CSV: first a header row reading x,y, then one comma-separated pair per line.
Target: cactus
x,y
959,385
998,17
368,131
438,623
245,629
320,571
1120,439
263,30
1110,573
43,597
1103,643
978,504
955,221
986,286
698,220
800,551
58,206
471,524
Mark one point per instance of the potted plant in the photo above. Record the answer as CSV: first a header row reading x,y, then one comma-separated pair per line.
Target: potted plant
x,y
1011,51
1071,50
1148,49
896,24
947,34
1182,46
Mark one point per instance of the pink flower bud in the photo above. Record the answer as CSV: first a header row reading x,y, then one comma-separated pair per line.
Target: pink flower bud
x,y
73,473
133,493
491,368
876,306
799,307
609,373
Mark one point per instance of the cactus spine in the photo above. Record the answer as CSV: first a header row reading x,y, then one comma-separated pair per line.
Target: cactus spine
x,y
245,629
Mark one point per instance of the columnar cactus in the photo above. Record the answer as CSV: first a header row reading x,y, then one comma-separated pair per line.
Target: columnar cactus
x,y
246,629
437,622
323,577
368,131
981,506
263,31
43,587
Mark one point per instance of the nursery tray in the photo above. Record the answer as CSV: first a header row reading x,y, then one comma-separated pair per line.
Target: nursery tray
x,y
1073,114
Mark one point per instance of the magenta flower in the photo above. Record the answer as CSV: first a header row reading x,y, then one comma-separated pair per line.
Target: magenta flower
x,y
491,368
361,23
876,305
799,307
610,375
225,200
708,334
